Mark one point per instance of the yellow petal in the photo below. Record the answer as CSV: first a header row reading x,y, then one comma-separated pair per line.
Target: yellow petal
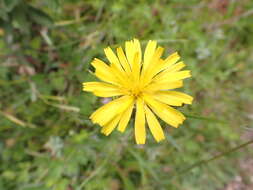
x,y
154,125
104,72
125,118
177,67
116,68
136,67
155,86
113,58
123,60
173,98
107,78
137,47
108,128
147,73
170,60
155,69
102,89
139,125
101,86
106,94
100,65
168,76
121,76
165,112
130,51
155,59
149,52
107,112
164,64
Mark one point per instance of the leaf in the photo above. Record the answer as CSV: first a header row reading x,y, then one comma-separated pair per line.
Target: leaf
x,y
61,184
86,104
57,81
40,17
3,16
20,20
55,145
35,187
10,4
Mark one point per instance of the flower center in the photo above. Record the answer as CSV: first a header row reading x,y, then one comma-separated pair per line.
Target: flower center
x,y
136,91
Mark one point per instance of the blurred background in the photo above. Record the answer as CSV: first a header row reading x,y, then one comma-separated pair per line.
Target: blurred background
x,y
46,139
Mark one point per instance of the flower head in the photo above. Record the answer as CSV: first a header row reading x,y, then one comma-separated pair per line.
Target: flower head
x,y
141,84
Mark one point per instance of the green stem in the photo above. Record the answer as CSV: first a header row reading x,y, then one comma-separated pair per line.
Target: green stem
x,y
204,118
205,161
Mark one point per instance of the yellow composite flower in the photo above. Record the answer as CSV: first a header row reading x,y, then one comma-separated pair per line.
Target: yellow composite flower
x,y
140,83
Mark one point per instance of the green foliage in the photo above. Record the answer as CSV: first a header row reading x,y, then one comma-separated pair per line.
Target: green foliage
x,y
46,138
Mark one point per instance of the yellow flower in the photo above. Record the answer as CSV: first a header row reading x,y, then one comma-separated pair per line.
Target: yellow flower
x,y
143,84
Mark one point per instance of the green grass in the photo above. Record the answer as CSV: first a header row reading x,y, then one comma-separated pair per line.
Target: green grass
x,y
48,142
